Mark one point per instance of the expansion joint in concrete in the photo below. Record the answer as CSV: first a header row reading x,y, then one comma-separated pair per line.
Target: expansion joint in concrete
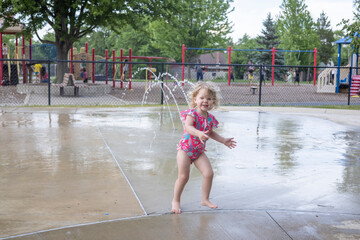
x,y
279,225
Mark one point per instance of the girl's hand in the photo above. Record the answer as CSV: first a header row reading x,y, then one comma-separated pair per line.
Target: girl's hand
x,y
229,142
204,136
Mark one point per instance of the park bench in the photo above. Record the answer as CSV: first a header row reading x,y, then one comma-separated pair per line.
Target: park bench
x,y
66,82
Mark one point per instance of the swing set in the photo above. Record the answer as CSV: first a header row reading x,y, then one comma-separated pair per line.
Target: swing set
x,y
229,50
114,58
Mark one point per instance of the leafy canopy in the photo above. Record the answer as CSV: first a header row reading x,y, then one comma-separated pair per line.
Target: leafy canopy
x,y
327,39
200,23
73,19
297,31
352,28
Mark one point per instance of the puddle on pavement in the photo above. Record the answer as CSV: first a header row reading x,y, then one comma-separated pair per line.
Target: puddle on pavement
x,y
281,161
310,162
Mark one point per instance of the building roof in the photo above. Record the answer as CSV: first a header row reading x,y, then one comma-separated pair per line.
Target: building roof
x,y
213,58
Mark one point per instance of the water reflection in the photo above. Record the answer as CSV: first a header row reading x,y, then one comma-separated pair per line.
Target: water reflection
x,y
260,130
351,162
287,144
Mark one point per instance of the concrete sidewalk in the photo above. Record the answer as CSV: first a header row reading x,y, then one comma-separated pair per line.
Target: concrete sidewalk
x,y
69,173
235,224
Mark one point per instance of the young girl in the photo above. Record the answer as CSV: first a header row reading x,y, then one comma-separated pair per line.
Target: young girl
x,y
84,75
37,68
198,128
123,75
43,75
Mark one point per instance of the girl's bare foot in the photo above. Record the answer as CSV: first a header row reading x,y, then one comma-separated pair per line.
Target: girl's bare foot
x,y
176,207
209,204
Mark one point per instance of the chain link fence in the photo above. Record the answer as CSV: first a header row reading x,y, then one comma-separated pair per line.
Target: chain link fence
x,y
168,83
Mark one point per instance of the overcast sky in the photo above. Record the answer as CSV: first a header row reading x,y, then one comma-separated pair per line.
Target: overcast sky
x,y
248,16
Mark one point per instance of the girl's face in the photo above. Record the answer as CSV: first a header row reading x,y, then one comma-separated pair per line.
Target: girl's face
x,y
203,101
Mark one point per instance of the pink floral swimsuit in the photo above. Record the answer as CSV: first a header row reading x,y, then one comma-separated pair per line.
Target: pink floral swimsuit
x,y
192,144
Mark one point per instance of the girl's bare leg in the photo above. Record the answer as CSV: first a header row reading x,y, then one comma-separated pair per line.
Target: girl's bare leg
x,y
204,166
250,79
183,162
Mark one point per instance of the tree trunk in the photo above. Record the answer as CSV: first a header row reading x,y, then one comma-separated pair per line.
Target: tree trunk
x,y
62,48
191,59
308,75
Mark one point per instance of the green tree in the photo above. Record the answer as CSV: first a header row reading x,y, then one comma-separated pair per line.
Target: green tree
x,y
267,40
243,57
297,31
200,23
326,35
345,49
137,39
73,19
351,29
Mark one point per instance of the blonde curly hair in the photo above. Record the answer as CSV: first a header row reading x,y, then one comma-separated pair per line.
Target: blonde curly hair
x,y
213,91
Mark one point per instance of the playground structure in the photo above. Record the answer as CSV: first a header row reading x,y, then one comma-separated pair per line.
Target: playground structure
x,y
229,50
84,55
330,79
10,71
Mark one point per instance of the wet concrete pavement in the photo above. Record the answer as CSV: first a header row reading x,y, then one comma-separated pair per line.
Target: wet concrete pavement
x,y
71,173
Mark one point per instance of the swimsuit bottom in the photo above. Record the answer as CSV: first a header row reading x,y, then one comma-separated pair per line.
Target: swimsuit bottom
x,y
192,153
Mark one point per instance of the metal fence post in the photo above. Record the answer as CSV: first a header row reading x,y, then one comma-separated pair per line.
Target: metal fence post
x,y
261,80
350,71
49,84
162,84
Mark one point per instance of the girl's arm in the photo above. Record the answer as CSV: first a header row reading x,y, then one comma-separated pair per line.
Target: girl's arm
x,y
229,142
190,129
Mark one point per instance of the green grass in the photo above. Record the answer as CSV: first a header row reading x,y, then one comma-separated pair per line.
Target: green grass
x,y
344,107
350,107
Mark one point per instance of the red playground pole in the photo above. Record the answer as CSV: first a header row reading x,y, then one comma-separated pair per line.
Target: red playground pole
x,y
150,72
71,58
121,67
315,53
93,65
86,48
229,66
273,63
183,66
24,67
114,59
30,50
130,67
1,62
106,67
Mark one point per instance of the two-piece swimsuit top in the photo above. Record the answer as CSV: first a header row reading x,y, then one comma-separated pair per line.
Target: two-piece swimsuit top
x,y
192,144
